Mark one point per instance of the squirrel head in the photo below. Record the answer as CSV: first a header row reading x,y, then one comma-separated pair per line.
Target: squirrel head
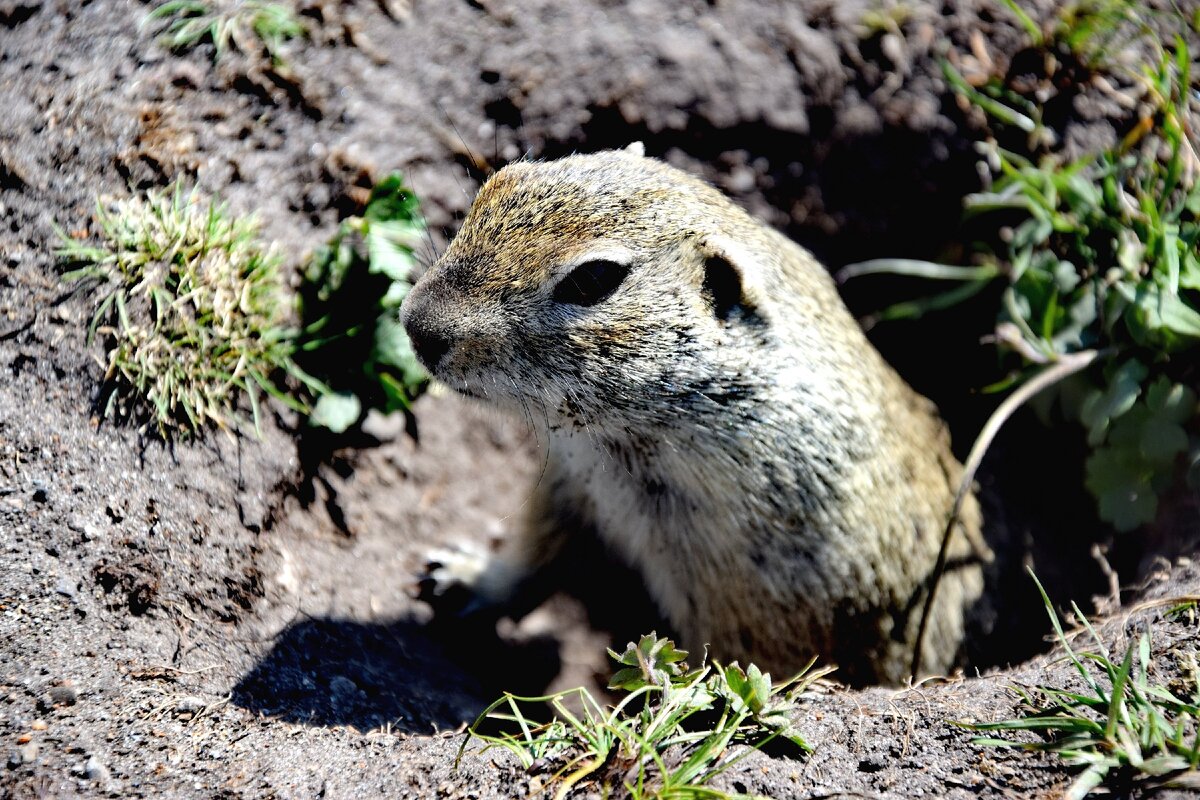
x,y
592,287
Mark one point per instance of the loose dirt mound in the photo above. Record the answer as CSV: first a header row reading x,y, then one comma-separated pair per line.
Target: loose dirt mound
x,y
208,618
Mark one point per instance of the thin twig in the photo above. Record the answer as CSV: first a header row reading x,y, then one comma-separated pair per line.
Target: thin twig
x,y
1065,366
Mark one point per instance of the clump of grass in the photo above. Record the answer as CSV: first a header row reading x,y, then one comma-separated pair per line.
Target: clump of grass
x,y
191,307
351,338
1099,254
1122,728
196,317
667,738
884,16
245,25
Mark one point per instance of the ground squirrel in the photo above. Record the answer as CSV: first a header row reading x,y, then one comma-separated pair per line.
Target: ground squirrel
x,y
709,408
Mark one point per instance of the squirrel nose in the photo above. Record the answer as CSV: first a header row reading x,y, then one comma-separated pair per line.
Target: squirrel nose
x,y
430,346
429,336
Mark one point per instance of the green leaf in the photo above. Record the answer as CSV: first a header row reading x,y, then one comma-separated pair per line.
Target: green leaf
x,y
1005,114
1101,407
389,249
752,687
1162,440
1120,481
917,269
915,309
392,346
1066,277
390,200
352,339
651,662
1157,318
336,411
1189,270
1172,401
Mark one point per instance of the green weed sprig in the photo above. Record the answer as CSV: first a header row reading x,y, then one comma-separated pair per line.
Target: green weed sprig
x,y
350,295
667,738
242,24
1100,253
1121,725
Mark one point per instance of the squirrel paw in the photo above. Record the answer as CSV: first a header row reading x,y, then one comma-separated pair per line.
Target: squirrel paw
x,y
451,579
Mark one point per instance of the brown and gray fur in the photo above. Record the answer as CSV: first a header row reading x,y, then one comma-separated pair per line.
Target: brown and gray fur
x,y
779,487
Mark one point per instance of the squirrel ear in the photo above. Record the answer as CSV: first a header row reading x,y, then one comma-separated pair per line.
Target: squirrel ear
x,y
636,148
725,285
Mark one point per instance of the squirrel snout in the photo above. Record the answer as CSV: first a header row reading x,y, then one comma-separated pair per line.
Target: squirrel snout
x,y
431,338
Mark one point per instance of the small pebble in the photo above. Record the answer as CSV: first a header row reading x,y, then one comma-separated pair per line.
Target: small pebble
x,y
26,754
191,705
63,695
94,770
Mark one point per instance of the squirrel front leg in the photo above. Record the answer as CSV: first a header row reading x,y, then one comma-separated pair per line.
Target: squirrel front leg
x,y
472,581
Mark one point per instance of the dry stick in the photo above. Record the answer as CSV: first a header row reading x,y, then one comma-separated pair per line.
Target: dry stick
x,y
1065,366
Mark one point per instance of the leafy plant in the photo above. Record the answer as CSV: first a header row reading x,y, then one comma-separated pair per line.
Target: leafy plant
x,y
667,738
352,340
1099,253
191,307
243,24
1121,727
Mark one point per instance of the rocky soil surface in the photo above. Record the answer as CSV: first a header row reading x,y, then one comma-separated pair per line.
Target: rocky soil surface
x,y
219,618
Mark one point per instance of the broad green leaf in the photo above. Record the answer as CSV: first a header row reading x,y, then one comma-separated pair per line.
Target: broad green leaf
x,y
391,200
392,345
389,251
1162,440
751,686
1171,401
1101,407
1157,318
1119,479
1189,270
1066,276
335,411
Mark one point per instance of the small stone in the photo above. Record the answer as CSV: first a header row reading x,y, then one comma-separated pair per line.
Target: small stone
x,y
94,770
63,695
65,587
343,692
384,427
874,762
26,754
39,725
741,180
340,684
190,705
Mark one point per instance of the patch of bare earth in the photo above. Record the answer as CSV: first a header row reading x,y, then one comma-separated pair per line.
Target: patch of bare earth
x,y
217,617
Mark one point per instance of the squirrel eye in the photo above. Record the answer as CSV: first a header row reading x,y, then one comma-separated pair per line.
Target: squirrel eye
x,y
590,282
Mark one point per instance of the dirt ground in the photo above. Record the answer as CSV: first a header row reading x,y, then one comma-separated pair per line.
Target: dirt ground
x,y
214,618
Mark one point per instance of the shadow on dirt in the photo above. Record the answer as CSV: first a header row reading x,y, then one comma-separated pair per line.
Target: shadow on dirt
x,y
415,678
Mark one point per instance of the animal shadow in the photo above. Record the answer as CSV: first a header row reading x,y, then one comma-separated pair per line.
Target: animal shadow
x,y
411,677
